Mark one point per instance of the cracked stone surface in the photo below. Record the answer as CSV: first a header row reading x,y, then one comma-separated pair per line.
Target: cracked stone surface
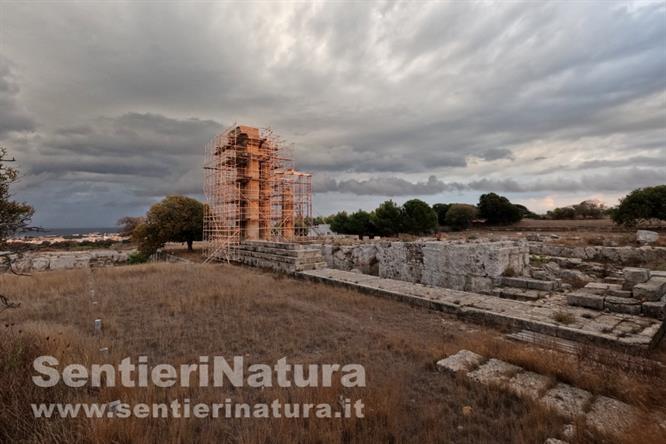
x,y
529,384
463,361
566,400
609,415
494,372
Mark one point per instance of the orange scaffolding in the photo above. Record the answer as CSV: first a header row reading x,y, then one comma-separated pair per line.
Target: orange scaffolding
x,y
252,191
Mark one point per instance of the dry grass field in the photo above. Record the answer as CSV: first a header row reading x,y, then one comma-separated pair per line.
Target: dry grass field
x,y
174,313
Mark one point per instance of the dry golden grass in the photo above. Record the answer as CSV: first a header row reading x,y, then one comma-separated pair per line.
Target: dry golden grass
x,y
174,313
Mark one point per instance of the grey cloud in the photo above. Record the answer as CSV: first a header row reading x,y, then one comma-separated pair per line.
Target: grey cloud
x,y
625,179
13,117
387,90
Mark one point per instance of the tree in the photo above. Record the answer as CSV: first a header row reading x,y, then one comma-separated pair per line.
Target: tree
x,y
641,205
359,223
387,219
128,224
14,216
526,213
590,209
460,216
339,222
441,210
174,219
419,218
498,210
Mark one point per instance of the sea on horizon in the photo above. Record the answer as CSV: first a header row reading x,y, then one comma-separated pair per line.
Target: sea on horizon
x,y
67,231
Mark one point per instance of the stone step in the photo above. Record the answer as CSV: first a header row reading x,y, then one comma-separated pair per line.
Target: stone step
x,y
532,284
518,294
634,334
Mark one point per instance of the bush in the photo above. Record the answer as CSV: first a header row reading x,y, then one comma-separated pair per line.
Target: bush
x,y
460,216
419,218
136,258
497,210
562,213
640,205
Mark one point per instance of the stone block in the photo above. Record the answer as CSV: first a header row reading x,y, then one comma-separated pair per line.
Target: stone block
x,y
587,300
646,237
620,293
652,290
463,361
633,276
596,288
566,400
494,372
534,284
658,273
655,309
529,384
622,305
611,416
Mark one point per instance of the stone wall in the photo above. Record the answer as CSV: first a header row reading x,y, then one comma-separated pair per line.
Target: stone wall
x,y
279,256
471,266
618,255
65,260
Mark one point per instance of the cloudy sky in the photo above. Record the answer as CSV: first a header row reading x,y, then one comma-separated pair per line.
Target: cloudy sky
x,y
107,105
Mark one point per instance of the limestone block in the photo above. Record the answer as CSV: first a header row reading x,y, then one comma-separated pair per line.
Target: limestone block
x,y
463,361
528,384
587,300
656,309
596,288
40,263
634,276
620,293
566,400
646,237
622,305
609,415
494,372
652,290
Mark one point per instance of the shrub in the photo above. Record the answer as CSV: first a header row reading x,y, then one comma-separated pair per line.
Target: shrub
x,y
642,204
460,216
419,218
498,210
136,257
562,213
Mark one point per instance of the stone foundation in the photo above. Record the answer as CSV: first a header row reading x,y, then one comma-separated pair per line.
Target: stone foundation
x,y
617,255
65,260
470,266
279,256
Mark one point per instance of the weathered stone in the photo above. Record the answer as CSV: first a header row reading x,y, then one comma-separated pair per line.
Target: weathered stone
x,y
634,276
40,263
529,384
646,237
658,273
575,277
555,441
652,290
656,309
620,293
622,305
566,400
494,372
587,300
597,288
611,416
463,361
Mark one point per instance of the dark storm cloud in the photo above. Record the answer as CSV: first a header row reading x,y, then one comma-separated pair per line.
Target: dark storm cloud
x,y
561,96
